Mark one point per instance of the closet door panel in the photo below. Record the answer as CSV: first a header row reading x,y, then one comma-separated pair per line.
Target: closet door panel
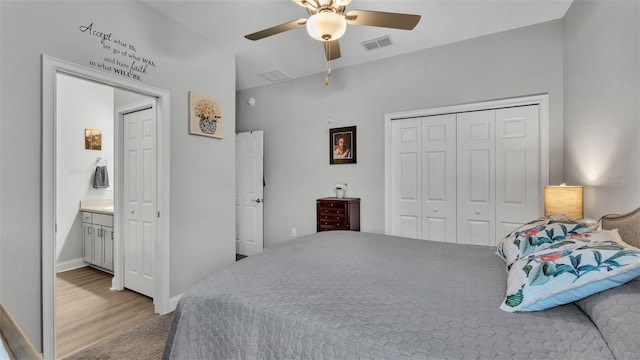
x,y
476,177
406,178
479,231
439,178
517,167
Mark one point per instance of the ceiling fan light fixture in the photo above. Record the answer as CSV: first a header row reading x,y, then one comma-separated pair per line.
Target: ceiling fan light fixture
x,y
326,26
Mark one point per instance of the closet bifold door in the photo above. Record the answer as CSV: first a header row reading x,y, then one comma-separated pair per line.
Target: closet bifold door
x,y
517,167
439,178
469,177
476,177
406,190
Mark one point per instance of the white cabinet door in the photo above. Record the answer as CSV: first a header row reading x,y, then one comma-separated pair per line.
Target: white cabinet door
x,y
98,245
439,178
87,242
107,252
406,178
476,177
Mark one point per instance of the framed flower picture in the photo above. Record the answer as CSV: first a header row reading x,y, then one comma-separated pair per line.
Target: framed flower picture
x,y
205,116
342,145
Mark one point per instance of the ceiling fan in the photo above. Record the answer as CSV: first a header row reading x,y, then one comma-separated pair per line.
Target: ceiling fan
x,y
328,22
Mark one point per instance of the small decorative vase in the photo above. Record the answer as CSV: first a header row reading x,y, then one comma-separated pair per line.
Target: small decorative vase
x,y
208,126
340,193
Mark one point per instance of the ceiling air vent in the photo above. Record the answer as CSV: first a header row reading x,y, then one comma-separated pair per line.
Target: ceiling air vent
x,y
275,76
377,43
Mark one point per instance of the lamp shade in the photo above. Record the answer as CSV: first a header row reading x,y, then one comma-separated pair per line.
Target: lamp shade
x,y
563,199
326,26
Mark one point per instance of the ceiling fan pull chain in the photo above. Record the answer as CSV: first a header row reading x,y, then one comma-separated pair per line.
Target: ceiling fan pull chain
x,y
326,79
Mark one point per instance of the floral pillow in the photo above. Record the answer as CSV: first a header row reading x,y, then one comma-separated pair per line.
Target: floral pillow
x,y
559,276
553,232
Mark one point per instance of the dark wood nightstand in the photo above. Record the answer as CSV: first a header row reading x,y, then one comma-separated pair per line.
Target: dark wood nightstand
x,y
338,214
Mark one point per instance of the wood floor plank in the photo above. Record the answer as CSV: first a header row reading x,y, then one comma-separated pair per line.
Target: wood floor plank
x,y
87,310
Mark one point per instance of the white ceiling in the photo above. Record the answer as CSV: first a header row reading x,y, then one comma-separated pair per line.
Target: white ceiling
x,y
294,53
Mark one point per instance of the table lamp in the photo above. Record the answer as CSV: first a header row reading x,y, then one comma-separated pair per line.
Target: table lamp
x,y
563,199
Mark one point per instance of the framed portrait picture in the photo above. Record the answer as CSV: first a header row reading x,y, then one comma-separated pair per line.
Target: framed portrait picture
x,y
342,145
205,116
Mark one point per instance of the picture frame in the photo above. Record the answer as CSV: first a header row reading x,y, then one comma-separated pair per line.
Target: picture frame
x,y
342,145
92,139
205,116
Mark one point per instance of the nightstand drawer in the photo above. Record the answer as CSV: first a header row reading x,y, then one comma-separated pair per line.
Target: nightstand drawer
x,y
334,224
332,204
332,217
333,212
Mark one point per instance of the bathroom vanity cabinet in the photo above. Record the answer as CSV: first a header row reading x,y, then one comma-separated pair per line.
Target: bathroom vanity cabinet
x,y
98,240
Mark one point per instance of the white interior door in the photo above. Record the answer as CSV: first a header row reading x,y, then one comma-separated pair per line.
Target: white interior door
x,y
406,177
249,192
139,206
517,170
439,178
476,177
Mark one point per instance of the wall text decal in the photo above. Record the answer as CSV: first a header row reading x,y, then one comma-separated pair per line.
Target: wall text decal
x,y
122,58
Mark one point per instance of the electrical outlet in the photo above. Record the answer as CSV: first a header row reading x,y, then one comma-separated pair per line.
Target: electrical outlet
x,y
294,231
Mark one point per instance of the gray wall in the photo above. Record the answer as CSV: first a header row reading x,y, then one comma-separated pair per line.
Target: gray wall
x,y
294,116
202,169
602,97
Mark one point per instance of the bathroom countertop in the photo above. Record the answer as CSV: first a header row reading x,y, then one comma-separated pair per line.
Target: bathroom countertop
x,y
98,206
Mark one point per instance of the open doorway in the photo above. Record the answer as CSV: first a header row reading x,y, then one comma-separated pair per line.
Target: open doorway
x,y
92,153
53,124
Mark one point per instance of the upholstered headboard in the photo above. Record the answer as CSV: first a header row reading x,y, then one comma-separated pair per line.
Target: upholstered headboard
x,y
628,226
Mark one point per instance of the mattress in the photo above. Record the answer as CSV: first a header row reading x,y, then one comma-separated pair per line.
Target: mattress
x,y
352,295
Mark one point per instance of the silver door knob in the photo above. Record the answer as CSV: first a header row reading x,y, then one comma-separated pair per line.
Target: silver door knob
x,y
257,200
477,212
435,209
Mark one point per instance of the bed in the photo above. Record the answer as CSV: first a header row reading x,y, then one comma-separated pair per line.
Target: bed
x,y
352,295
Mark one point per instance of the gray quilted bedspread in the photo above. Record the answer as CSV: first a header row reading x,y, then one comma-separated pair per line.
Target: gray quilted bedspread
x,y
351,295
616,312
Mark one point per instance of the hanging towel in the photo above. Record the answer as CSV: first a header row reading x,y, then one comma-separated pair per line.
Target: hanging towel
x,y
101,178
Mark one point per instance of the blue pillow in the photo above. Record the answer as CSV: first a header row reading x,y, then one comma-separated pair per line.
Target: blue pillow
x,y
559,276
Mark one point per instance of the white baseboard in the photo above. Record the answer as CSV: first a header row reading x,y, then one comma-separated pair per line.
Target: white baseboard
x,y
70,265
173,302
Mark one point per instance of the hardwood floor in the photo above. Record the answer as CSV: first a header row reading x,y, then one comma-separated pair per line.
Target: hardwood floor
x,y
87,310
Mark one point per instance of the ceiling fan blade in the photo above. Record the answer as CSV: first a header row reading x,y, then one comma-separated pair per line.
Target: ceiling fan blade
x,y
332,49
277,29
382,19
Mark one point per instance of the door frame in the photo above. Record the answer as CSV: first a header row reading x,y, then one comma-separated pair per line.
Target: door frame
x,y
542,100
50,68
